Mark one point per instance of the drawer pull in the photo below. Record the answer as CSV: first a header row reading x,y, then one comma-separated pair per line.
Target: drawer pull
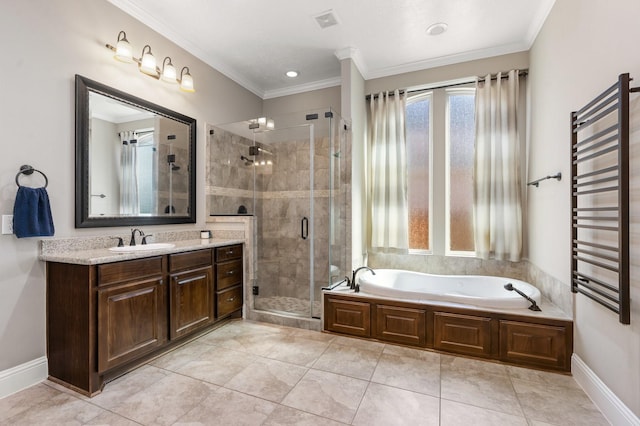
x,y
231,272
231,299
229,251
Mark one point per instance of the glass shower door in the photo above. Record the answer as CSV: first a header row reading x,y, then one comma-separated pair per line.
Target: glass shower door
x,y
283,163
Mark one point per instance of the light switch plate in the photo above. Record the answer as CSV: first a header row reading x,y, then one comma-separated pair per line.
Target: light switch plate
x,y
7,224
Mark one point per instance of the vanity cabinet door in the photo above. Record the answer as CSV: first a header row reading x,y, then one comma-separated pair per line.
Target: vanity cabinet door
x,y
132,321
191,301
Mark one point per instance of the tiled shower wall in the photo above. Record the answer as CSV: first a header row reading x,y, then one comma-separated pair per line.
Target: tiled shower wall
x,y
282,200
230,179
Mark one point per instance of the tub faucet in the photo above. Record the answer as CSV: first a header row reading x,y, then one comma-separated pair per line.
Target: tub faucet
x,y
353,277
133,236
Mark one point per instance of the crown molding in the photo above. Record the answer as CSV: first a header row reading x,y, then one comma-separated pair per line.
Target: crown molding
x,y
301,88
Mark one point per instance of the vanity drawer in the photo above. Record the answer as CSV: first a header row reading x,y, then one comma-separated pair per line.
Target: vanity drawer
x,y
128,270
189,260
228,274
229,300
228,253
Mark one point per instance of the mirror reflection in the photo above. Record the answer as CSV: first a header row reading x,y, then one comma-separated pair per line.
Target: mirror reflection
x,y
136,161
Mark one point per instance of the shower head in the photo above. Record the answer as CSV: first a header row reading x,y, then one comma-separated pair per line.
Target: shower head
x,y
247,161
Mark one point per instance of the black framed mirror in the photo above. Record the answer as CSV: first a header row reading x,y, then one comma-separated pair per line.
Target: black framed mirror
x,y
135,160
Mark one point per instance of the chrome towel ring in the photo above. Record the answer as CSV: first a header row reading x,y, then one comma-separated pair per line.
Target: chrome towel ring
x,y
28,170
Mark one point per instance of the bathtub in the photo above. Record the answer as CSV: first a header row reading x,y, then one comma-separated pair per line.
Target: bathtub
x,y
475,290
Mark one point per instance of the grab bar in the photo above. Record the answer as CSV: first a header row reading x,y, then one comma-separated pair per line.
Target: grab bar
x,y
534,306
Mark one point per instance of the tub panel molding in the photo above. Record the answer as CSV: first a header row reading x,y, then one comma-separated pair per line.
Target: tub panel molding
x,y
401,325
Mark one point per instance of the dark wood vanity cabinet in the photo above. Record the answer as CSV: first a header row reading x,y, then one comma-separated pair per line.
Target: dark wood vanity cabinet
x,y
229,272
104,319
191,294
132,318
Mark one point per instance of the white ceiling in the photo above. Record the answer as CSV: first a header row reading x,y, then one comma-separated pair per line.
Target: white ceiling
x,y
254,42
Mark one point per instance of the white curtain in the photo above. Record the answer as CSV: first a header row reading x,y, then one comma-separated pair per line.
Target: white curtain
x,y
387,205
497,175
129,203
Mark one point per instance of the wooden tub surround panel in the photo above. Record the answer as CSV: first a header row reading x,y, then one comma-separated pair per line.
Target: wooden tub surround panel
x,y
524,340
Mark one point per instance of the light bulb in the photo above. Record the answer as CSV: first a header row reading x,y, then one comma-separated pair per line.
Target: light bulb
x,y
124,53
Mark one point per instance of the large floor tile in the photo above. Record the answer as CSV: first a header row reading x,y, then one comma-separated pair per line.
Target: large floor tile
x,y
546,377
117,391
327,394
111,419
557,404
165,401
457,414
283,416
177,358
217,365
228,407
385,405
268,379
296,350
481,389
61,409
451,363
348,360
414,371
17,403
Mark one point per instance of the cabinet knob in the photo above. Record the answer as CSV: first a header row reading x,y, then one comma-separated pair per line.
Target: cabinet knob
x,y
231,272
231,299
229,251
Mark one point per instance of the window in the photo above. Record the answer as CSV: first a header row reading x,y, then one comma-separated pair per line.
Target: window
x,y
440,141
418,135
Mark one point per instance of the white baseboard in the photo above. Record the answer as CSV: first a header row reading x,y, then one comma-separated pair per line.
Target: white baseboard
x,y
22,376
609,404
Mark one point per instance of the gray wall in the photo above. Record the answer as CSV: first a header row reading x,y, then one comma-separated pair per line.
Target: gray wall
x,y
581,50
49,41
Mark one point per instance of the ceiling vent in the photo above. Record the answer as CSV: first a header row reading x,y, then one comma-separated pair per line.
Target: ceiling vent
x,y
326,19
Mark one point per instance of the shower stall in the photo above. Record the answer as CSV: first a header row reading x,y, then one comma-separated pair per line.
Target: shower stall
x,y
290,173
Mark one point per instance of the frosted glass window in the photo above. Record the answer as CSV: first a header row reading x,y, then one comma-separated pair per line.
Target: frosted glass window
x,y
418,118
460,131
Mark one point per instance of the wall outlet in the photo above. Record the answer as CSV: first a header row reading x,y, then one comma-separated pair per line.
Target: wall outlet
x,y
7,224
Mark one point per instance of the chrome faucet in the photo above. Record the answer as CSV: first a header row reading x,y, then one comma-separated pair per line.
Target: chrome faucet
x,y
353,277
133,236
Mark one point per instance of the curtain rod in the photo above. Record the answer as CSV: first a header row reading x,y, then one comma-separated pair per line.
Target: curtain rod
x,y
494,77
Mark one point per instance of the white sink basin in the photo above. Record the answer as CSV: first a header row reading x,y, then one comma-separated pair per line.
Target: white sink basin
x,y
142,247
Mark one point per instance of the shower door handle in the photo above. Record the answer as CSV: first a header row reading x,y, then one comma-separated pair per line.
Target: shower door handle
x,y
304,228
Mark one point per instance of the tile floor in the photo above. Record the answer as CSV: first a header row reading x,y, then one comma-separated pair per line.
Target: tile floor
x,y
248,373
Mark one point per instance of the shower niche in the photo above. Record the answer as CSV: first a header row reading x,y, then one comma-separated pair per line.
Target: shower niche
x,y
290,173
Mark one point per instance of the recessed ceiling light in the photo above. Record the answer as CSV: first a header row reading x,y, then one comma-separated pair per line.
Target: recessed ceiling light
x,y
292,74
437,28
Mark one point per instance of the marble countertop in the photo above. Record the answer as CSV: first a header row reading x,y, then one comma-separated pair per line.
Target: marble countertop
x,y
548,309
97,256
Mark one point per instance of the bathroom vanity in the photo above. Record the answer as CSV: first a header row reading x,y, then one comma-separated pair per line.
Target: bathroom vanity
x,y
106,315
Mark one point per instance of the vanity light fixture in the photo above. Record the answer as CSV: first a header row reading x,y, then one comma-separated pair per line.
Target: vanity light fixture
x,y
168,71
124,53
186,81
147,64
